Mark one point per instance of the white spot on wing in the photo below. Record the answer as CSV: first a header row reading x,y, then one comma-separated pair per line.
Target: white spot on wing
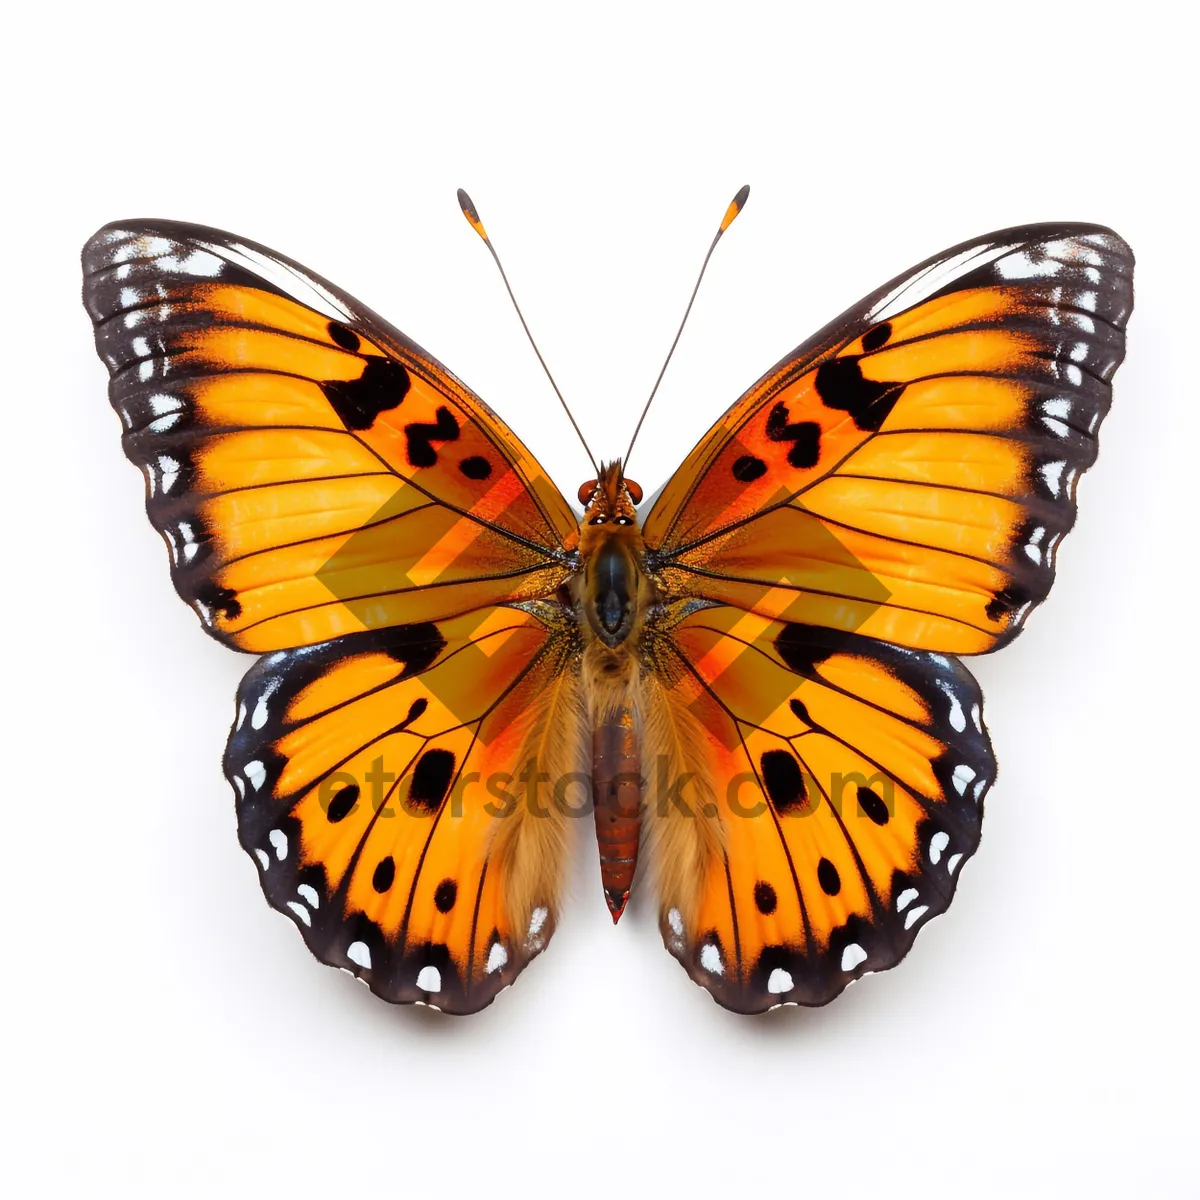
x,y
278,839
260,709
915,914
359,954
675,920
263,857
168,473
430,979
958,720
961,777
300,911
779,982
852,956
1052,474
905,898
536,920
497,957
952,863
710,959
256,773
307,892
937,846
1025,265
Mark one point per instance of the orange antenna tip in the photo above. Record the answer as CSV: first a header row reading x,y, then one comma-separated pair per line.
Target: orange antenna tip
x,y
469,211
735,206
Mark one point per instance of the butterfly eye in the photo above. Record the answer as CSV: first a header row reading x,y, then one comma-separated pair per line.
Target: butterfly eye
x,y
598,521
635,491
622,521
586,490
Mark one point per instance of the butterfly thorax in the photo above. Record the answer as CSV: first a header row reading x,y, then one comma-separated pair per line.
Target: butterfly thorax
x,y
612,593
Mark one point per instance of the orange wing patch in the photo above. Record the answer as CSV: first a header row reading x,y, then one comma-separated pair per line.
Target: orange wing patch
x,y
314,473
373,775
911,477
848,779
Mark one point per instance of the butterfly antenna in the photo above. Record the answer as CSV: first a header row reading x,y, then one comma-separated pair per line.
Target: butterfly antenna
x,y
472,215
731,213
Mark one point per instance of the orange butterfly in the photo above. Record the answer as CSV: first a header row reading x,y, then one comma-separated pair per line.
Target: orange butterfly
x,y
760,678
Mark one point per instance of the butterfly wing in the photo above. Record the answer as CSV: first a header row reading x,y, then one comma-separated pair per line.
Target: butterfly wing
x,y
334,496
847,778
313,471
891,494
909,472
382,783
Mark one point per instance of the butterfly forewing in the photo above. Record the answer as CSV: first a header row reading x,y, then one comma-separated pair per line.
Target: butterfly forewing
x,y
910,473
313,471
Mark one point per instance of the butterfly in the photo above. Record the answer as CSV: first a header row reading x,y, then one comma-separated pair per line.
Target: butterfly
x,y
751,683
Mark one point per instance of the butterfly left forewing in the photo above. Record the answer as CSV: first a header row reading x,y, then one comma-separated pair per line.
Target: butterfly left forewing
x,y
313,471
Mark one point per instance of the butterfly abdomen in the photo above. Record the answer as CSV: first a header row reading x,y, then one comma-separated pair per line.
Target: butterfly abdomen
x,y
610,679
617,793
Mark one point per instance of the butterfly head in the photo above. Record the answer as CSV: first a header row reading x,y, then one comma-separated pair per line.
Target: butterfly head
x,y
610,545
610,499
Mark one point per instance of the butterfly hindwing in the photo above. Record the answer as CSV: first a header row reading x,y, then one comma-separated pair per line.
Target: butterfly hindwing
x,y
313,471
910,471
847,778
378,777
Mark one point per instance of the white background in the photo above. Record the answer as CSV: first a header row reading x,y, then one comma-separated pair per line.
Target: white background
x,y
164,1032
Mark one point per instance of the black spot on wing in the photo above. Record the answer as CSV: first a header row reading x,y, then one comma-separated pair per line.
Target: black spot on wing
x,y
342,804
421,435
748,468
385,874
841,385
872,804
783,780
475,467
431,780
828,877
805,436
765,899
446,895
346,338
382,386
